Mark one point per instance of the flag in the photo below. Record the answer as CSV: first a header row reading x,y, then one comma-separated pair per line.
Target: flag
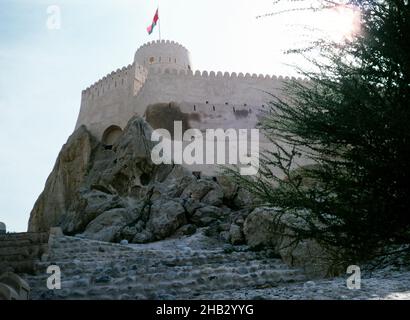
x,y
150,29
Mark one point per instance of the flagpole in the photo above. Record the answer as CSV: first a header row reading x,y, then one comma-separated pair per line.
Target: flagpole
x,y
159,24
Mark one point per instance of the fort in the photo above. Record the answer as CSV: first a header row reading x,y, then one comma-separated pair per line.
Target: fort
x,y
201,149
162,74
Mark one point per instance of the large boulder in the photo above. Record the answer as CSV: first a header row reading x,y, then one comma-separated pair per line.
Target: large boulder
x,y
92,204
260,228
106,225
243,198
197,190
207,215
229,187
214,197
236,235
13,287
273,228
166,217
63,184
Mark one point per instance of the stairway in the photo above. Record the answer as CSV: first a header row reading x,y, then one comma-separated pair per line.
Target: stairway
x,y
20,251
170,269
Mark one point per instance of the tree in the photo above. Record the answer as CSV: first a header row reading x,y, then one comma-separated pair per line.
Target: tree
x,y
351,120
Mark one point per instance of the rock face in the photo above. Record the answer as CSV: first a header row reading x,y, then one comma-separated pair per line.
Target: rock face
x,y
271,228
260,228
106,225
115,194
165,218
63,184
12,287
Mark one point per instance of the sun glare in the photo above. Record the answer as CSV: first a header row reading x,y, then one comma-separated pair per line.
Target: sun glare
x,y
341,22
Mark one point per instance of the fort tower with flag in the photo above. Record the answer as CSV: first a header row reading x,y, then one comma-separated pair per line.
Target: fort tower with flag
x,y
162,85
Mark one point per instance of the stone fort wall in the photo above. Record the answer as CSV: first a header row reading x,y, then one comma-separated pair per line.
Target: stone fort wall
x,y
106,99
161,73
222,100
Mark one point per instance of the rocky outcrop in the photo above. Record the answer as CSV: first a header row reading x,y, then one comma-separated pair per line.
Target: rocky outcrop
x,y
114,194
62,188
117,194
260,228
272,228
166,216
12,287
106,225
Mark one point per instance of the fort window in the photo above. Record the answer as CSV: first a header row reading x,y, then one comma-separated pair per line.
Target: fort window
x,y
226,103
207,102
189,67
151,60
194,108
111,135
245,105
213,108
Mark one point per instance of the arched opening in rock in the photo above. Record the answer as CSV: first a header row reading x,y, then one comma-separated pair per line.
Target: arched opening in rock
x,y
111,135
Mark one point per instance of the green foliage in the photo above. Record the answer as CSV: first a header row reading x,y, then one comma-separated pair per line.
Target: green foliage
x,y
351,121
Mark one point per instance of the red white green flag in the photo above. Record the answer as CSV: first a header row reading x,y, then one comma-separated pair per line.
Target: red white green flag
x,y
150,29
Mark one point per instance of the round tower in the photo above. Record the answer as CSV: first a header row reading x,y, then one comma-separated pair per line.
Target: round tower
x,y
163,54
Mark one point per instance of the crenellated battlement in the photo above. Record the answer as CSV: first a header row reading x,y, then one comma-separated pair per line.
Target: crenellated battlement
x,y
161,73
160,66
112,80
121,77
163,54
165,42
223,75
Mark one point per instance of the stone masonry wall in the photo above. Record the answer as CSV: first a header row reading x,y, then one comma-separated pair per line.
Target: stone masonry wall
x,y
222,100
19,251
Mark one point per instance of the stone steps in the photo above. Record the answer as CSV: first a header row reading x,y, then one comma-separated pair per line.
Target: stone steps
x,y
20,251
172,262
173,275
96,270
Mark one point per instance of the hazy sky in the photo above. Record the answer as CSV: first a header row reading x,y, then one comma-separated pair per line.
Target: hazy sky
x,y
42,71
